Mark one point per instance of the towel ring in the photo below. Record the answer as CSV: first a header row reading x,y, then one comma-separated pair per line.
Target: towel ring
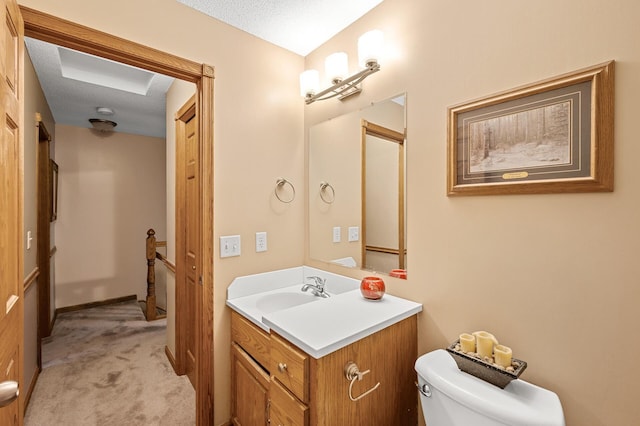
x,y
323,189
352,373
280,182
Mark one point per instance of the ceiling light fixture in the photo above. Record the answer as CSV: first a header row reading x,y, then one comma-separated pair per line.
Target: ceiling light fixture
x,y
102,125
336,68
104,110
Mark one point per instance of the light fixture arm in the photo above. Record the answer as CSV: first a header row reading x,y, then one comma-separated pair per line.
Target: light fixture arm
x,y
344,88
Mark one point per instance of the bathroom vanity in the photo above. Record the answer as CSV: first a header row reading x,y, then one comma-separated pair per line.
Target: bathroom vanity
x,y
342,360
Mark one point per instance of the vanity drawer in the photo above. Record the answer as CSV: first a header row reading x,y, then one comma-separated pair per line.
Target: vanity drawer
x,y
250,338
290,366
285,409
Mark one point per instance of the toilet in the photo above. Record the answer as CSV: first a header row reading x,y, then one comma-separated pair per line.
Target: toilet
x,y
450,397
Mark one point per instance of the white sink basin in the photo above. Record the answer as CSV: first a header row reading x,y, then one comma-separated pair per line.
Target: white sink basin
x,y
283,300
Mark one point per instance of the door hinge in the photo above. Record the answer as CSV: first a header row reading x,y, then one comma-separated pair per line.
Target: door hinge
x,y
200,280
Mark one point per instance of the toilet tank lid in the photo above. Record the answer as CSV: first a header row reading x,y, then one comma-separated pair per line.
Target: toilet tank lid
x,y
519,403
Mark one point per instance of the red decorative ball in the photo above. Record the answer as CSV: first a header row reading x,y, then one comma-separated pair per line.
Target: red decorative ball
x,y
372,288
398,273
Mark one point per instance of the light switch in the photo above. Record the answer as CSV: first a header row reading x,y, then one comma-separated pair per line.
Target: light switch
x,y
230,246
29,239
336,234
261,241
354,233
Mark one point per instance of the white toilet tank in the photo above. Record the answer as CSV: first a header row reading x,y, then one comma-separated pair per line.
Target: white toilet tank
x,y
460,399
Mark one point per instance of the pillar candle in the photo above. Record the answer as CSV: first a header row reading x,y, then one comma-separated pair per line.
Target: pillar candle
x,y
467,342
502,355
484,343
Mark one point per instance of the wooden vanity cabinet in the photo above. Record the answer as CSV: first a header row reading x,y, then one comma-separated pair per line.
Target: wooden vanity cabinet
x,y
305,391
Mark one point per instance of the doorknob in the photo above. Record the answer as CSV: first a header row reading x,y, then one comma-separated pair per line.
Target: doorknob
x,y
8,392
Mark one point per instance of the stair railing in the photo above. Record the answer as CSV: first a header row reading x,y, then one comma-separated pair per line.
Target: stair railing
x,y
150,308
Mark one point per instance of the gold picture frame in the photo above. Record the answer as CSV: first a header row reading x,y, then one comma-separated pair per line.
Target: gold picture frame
x,y
553,136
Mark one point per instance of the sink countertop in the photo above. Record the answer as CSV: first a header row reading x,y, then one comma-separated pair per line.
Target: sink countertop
x,y
324,325
320,328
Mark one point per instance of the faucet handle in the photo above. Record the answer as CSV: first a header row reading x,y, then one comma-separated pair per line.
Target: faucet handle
x,y
319,280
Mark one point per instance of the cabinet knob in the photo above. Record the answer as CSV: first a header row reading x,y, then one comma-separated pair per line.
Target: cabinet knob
x,y
282,367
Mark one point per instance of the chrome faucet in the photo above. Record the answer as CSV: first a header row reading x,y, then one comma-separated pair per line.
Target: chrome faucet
x,y
318,288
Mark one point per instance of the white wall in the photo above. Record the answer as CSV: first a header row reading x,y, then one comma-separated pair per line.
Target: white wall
x,y
555,277
110,192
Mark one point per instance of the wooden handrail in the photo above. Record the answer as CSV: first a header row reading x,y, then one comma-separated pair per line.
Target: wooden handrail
x,y
170,266
384,250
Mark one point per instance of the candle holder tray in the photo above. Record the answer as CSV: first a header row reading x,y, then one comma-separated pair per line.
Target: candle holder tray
x,y
484,370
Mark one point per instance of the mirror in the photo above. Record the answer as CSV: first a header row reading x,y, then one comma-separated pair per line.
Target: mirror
x,y
357,195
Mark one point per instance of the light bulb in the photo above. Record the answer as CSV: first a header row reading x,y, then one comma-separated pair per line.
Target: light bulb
x,y
309,82
336,66
370,45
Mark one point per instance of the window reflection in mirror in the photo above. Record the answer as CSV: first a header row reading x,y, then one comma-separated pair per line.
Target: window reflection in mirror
x,y
357,194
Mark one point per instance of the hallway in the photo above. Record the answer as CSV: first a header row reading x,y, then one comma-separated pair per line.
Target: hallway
x,y
107,366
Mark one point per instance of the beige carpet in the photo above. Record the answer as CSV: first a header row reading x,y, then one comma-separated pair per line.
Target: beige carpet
x,y
107,366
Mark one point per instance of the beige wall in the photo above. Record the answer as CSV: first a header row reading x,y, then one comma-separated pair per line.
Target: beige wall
x,y
108,197
34,102
258,133
553,276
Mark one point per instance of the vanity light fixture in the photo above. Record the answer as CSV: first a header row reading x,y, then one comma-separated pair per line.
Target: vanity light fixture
x,y
336,68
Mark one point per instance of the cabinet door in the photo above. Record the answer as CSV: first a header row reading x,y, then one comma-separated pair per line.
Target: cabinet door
x,y
249,390
285,409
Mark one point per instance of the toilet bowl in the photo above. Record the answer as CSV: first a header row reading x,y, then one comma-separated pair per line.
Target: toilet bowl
x,y
450,397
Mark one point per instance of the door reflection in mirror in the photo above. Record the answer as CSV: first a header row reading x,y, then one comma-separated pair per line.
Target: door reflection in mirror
x,y
383,200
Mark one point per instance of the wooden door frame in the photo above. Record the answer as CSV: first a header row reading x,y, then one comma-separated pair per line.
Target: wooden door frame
x,y
44,234
51,29
371,129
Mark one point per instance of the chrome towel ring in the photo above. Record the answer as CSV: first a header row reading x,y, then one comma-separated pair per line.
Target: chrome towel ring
x,y
327,197
280,183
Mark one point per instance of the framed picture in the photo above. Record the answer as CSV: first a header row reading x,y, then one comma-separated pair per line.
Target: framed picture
x,y
554,136
53,190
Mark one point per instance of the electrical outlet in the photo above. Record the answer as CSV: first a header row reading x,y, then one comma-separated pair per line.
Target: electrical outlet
x,y
336,234
230,246
261,241
354,233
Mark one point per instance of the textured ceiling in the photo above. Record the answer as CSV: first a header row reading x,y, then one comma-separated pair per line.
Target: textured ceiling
x,y
297,25
74,92
74,102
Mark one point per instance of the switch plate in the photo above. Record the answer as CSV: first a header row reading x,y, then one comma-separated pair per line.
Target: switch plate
x,y
29,239
261,241
354,233
336,234
230,246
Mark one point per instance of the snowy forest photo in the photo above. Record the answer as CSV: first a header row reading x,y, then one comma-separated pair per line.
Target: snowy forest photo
x,y
531,138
